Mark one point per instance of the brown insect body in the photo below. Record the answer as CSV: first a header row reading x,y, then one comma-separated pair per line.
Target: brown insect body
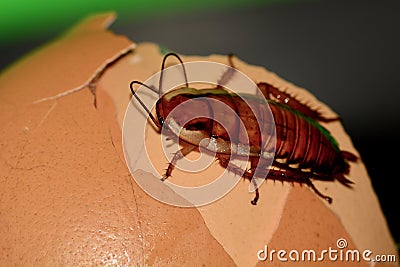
x,y
215,122
304,149
302,141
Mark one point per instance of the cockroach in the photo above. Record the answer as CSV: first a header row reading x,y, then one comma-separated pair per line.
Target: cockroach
x,y
304,149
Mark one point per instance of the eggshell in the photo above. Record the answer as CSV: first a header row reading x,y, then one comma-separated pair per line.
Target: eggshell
x,y
68,198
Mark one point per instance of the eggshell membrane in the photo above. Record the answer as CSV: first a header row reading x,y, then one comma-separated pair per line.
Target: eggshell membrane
x,y
79,205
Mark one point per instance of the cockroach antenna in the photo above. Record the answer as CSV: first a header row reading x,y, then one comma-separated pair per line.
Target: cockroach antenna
x,y
141,102
163,67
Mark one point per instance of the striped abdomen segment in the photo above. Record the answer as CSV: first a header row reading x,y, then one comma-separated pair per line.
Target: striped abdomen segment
x,y
303,141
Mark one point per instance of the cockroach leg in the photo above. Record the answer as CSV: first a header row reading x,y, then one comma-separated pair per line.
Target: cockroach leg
x,y
230,56
253,164
254,201
288,177
228,74
270,92
177,156
296,175
310,184
224,162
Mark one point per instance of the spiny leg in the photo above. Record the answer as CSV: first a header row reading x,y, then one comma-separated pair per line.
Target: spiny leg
x,y
272,93
224,162
262,168
177,156
296,175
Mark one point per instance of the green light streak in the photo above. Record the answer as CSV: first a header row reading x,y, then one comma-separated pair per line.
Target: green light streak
x,y
26,19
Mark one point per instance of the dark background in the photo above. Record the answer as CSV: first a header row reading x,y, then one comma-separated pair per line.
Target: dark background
x,y
345,52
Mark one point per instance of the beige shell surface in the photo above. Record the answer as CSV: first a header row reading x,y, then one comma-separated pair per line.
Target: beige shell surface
x,y
68,198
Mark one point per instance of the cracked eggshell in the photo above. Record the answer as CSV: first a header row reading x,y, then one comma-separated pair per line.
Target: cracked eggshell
x,y
67,197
